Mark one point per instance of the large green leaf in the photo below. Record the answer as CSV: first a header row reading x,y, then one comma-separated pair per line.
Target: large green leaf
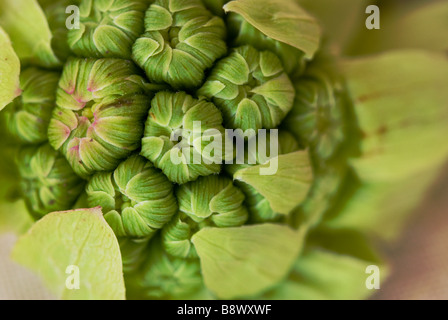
x,y
245,261
285,189
334,266
281,20
79,238
9,71
401,102
330,13
28,28
425,27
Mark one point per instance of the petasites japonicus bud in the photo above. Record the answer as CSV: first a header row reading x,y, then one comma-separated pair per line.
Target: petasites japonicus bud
x,y
48,182
28,116
100,113
181,41
108,28
210,201
251,89
137,199
176,136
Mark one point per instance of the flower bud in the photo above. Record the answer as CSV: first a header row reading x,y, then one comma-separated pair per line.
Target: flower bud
x,y
251,89
100,113
209,201
179,114
136,198
28,116
165,277
108,28
181,41
48,182
317,116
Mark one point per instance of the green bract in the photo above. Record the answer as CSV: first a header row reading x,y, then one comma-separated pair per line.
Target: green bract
x,y
48,182
258,206
171,132
250,88
28,116
136,199
209,201
182,40
108,28
99,116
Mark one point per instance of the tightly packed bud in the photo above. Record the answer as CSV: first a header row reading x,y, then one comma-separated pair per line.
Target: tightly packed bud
x,y
165,277
242,32
108,28
317,116
48,182
100,114
251,89
28,116
181,41
209,201
175,116
259,208
136,198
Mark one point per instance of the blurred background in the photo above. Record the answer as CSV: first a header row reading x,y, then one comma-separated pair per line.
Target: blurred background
x,y
418,260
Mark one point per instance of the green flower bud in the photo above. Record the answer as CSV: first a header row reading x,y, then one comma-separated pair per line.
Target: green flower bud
x,y
48,182
243,33
133,252
317,116
136,198
108,28
175,114
28,116
209,201
181,41
100,113
259,208
165,277
251,89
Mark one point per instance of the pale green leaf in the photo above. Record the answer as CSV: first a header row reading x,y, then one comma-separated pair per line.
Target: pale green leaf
x,y
281,20
78,238
401,103
290,184
245,261
333,266
425,27
380,209
28,29
329,14
9,71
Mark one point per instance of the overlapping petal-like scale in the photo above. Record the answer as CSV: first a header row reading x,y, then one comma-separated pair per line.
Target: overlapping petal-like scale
x,y
182,40
243,33
251,89
28,116
48,182
318,114
100,113
108,28
196,123
209,201
259,208
137,199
